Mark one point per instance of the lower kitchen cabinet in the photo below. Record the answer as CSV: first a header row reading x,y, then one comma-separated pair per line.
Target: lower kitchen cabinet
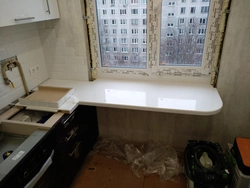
x,y
76,135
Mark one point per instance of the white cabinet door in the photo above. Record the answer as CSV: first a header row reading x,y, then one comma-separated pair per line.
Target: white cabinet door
x,y
14,12
51,8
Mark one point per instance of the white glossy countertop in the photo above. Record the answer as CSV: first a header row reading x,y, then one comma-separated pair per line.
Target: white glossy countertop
x,y
186,98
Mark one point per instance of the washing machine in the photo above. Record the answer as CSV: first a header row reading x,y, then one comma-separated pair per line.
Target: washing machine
x,y
206,165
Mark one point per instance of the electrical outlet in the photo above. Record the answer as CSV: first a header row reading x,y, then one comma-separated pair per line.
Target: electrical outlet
x,y
34,70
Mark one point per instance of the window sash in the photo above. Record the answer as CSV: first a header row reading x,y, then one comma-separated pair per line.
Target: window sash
x,y
152,54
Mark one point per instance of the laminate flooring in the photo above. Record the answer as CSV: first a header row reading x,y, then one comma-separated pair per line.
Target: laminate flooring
x,y
98,171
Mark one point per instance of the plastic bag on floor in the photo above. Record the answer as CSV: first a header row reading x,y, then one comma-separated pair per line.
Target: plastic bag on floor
x,y
145,158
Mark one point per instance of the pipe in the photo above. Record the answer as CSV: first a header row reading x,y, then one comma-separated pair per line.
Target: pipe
x,y
6,66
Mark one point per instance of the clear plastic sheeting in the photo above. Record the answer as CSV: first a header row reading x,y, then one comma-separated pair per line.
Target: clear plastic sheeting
x,y
145,158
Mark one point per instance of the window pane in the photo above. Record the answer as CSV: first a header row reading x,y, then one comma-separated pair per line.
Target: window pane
x,y
122,33
182,45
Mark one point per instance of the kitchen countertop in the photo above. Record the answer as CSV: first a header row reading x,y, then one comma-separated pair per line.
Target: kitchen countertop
x,y
180,98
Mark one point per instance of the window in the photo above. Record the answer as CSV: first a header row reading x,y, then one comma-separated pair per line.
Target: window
x,y
104,2
181,20
107,49
123,31
183,9
171,3
104,12
106,40
144,58
124,50
134,21
177,35
134,59
113,22
134,11
125,58
116,58
105,22
170,34
204,9
203,20
123,11
190,31
135,50
114,31
112,2
202,31
171,14
134,1
192,10
200,41
134,31
181,31
123,40
134,41
123,21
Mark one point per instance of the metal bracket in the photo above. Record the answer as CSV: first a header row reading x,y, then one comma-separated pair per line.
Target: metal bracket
x,y
85,17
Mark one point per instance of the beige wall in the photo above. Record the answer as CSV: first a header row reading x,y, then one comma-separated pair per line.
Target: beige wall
x,y
233,86
64,43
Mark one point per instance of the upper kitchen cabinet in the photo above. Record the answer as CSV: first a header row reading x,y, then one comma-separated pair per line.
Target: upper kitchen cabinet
x,y
14,12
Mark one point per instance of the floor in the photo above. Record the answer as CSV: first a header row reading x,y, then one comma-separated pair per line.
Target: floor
x,y
99,171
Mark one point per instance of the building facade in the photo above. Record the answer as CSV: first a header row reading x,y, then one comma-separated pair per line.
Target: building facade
x,y
123,32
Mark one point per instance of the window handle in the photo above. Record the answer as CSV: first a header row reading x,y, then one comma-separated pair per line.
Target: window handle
x,y
47,1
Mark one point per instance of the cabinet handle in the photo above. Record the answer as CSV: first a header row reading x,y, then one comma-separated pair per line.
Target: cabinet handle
x,y
75,151
71,134
28,18
47,1
68,118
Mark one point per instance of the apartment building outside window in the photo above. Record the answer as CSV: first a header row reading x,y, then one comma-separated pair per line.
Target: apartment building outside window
x,y
123,21
123,40
123,31
134,1
134,31
183,10
134,21
192,10
112,2
182,22
123,11
134,11
204,9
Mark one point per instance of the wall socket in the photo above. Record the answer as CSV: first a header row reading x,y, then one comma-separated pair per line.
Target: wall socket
x,y
34,70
